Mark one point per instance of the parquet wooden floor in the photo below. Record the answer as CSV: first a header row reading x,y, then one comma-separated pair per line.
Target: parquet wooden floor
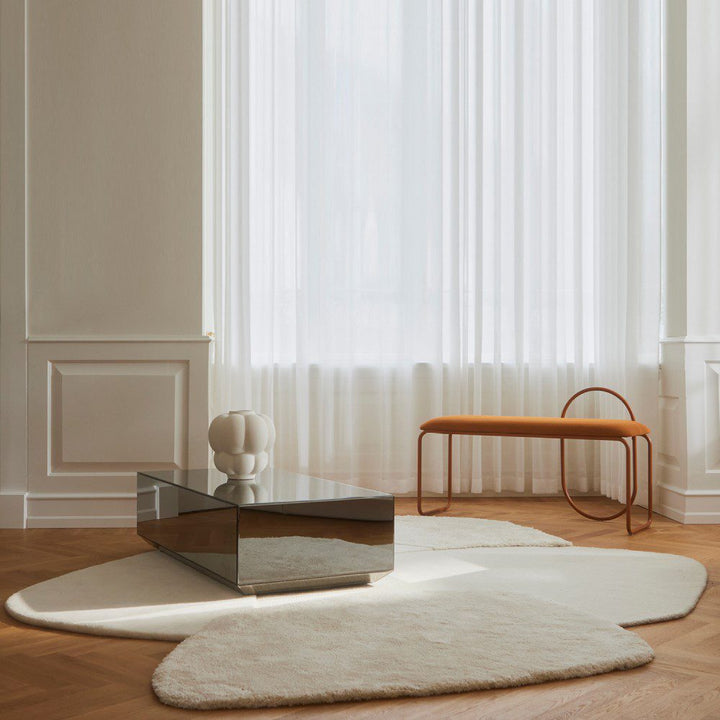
x,y
49,675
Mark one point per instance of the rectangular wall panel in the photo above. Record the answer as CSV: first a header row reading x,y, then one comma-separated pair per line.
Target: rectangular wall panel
x,y
712,417
90,408
688,449
101,411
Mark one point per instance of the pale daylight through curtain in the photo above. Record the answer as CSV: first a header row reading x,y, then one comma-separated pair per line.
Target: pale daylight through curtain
x,y
422,208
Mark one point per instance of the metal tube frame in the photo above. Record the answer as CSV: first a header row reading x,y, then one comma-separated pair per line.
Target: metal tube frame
x,y
631,474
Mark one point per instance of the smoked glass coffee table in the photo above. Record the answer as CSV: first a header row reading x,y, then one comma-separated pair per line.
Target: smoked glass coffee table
x,y
280,532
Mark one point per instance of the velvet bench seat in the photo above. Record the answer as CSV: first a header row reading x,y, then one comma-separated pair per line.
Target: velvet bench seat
x,y
559,428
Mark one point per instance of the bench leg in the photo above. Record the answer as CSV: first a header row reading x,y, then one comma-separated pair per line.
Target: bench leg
x,y
631,491
628,485
648,522
435,511
631,486
568,497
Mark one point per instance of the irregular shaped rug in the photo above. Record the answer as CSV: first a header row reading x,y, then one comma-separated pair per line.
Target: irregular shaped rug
x,y
151,595
357,648
468,607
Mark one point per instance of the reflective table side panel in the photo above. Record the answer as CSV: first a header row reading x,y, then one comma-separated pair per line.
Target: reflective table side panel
x,y
316,541
196,528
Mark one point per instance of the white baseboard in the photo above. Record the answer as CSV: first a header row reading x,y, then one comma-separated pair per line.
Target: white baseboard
x,y
669,512
689,506
19,510
81,521
689,518
144,515
57,510
12,510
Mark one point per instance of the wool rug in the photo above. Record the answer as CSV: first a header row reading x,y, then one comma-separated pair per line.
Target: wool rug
x,y
447,533
626,587
472,604
415,643
151,595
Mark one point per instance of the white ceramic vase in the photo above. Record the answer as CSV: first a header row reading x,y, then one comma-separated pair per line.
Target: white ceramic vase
x,y
241,440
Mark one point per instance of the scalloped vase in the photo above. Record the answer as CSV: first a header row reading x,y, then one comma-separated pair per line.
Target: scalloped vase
x,y
242,440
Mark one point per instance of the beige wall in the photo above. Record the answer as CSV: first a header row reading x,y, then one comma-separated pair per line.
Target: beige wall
x,y
13,357
103,362
114,167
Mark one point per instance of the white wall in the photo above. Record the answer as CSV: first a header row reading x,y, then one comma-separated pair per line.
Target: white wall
x,y
703,167
689,444
102,160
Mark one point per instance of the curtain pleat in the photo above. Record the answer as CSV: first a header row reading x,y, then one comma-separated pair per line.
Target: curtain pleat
x,y
434,208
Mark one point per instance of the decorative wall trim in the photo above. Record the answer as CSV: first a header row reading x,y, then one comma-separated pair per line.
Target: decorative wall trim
x,y
98,412
711,492
712,416
688,447
81,510
692,339
115,339
689,506
85,398
700,517
80,496
81,521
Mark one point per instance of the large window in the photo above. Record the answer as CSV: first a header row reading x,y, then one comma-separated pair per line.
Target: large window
x,y
464,196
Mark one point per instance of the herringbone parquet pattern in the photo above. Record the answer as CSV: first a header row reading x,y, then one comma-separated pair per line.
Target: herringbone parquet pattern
x,y
50,675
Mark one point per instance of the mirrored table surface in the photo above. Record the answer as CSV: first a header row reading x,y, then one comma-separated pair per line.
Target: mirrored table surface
x,y
268,487
280,531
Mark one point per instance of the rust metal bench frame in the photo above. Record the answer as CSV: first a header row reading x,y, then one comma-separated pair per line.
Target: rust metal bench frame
x,y
631,480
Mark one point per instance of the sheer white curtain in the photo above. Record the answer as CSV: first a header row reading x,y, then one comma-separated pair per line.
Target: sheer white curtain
x,y
421,208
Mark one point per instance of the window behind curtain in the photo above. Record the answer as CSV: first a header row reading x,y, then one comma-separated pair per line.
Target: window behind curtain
x,y
426,183
428,208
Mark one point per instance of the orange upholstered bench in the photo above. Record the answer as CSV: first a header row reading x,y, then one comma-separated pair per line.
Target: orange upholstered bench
x,y
559,428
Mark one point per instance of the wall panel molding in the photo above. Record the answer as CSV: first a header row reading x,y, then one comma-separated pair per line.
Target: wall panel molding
x,y
712,416
88,409
101,411
110,268
688,448
116,338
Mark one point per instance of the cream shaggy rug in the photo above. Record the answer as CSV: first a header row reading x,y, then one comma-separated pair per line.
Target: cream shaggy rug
x,y
468,607
415,643
622,586
446,533
153,596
